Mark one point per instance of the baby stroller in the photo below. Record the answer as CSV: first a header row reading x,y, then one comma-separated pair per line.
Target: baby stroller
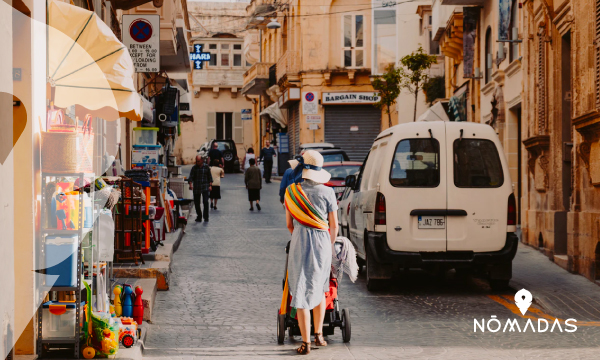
x,y
333,317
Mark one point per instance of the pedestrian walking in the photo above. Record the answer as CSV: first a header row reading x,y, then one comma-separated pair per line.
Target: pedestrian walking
x,y
311,218
253,184
216,154
288,179
249,155
200,181
217,173
266,156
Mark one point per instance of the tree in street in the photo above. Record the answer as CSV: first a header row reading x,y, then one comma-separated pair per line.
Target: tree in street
x,y
388,85
414,72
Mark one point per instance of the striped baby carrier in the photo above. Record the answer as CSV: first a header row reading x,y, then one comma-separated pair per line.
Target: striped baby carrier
x,y
303,210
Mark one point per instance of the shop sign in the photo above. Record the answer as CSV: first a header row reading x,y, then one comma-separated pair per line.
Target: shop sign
x,y
289,96
198,57
313,119
141,36
246,114
350,98
310,104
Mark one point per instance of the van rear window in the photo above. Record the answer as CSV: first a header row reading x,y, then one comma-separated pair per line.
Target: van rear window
x,y
416,163
477,164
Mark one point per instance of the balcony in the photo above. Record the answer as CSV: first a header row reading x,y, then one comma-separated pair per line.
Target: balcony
x,y
256,79
463,2
441,13
288,66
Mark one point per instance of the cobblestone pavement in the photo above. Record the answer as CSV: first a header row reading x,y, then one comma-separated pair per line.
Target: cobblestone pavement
x,y
226,289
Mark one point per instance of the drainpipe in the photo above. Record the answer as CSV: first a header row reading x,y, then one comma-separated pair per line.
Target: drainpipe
x,y
260,96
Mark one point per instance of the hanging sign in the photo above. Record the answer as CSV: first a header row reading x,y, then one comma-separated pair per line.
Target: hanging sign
x,y
504,14
141,36
310,104
198,57
350,98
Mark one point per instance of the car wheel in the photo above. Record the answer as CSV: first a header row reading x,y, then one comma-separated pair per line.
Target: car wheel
x,y
372,284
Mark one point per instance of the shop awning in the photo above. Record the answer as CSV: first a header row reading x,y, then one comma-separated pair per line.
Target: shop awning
x,y
88,65
435,113
275,113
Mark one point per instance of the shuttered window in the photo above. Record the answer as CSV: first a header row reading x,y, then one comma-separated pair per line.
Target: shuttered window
x,y
541,84
238,128
211,126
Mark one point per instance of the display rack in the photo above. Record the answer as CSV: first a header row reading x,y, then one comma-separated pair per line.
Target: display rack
x,y
44,344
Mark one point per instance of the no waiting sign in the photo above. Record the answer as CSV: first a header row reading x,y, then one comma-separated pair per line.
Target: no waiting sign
x,y
141,36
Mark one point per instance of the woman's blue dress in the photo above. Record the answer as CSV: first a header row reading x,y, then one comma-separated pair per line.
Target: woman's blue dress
x,y
309,261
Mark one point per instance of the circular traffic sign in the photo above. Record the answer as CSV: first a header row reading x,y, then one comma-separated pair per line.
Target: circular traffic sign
x,y
140,30
309,97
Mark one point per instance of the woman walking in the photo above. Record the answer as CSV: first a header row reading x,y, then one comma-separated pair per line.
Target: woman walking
x,y
217,173
253,184
311,217
249,155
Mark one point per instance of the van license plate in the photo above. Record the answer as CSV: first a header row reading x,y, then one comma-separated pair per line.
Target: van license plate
x,y
432,222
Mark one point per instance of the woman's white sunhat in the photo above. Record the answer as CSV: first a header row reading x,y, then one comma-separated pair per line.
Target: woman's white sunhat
x,y
293,163
313,167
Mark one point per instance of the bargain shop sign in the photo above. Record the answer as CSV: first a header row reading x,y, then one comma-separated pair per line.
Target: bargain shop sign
x,y
333,98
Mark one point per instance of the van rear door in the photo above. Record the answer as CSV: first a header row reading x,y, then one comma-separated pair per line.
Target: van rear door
x,y
478,188
416,189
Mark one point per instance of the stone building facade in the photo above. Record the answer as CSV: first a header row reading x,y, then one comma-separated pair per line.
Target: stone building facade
x,y
561,132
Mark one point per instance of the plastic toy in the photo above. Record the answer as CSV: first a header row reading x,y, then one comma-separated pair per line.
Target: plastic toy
x,y
118,307
128,332
138,306
99,332
127,301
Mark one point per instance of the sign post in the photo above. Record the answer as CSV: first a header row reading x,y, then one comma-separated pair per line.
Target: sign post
x,y
141,36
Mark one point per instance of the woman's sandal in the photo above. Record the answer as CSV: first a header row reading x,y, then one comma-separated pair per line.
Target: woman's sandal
x,y
304,349
319,340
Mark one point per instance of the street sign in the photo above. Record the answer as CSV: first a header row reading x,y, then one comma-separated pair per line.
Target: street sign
x,y
141,36
313,119
310,104
313,126
198,57
246,114
17,74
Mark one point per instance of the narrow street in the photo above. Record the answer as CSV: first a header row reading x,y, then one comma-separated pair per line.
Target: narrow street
x,y
226,289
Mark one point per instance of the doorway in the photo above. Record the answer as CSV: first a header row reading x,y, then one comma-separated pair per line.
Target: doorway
x,y
560,241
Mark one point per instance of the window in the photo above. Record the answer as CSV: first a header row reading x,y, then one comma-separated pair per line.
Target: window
x,y
514,31
416,163
237,59
224,59
385,43
434,46
224,46
213,59
353,42
489,57
333,158
237,46
360,174
477,164
224,126
212,46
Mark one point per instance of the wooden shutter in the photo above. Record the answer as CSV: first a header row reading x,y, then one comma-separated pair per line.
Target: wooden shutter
x,y
238,128
541,84
211,126
597,55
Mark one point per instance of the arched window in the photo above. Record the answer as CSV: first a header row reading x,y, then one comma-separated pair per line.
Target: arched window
x,y
514,34
489,57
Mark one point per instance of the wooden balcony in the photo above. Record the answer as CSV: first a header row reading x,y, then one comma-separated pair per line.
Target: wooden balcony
x,y
288,66
256,79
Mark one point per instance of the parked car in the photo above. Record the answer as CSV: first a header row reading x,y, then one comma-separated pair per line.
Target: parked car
x,y
339,171
316,146
434,194
229,150
334,155
344,211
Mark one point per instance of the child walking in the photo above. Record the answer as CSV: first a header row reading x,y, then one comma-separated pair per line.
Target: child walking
x,y
217,173
253,181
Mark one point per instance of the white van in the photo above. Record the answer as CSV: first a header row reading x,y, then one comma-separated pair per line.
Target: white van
x,y
434,194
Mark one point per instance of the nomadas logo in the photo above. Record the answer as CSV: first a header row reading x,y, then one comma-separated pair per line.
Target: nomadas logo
x,y
523,300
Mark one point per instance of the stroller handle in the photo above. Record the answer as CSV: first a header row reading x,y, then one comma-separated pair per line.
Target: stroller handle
x,y
287,247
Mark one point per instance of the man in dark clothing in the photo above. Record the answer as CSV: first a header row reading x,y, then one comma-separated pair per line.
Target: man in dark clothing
x,y
200,181
253,184
216,154
266,156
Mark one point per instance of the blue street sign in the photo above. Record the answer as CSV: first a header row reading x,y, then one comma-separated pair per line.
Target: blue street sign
x,y
198,57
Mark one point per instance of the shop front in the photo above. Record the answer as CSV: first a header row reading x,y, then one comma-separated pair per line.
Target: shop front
x,y
351,121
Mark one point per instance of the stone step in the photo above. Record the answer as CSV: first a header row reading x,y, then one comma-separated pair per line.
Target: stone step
x,y
159,270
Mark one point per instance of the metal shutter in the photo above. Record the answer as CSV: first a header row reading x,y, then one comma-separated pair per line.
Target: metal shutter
x,y
339,119
294,130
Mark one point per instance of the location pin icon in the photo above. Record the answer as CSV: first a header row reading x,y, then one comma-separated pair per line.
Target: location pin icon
x,y
523,300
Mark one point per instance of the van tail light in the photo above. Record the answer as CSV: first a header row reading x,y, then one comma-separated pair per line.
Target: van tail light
x,y
512,210
380,210
348,210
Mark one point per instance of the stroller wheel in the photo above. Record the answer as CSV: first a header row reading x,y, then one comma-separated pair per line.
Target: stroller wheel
x,y
280,328
346,328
